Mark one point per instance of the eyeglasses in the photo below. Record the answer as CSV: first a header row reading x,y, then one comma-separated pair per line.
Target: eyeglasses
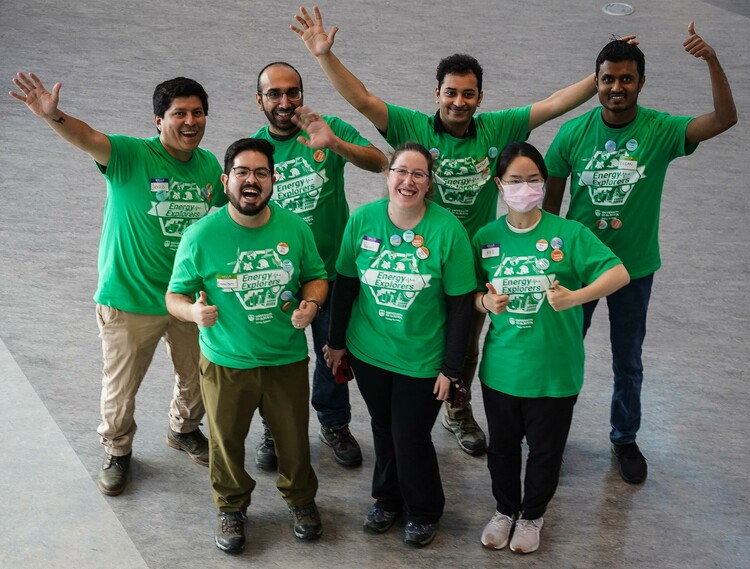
x,y
243,173
416,175
275,95
518,181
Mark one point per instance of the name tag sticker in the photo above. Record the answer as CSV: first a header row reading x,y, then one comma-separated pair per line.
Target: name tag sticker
x,y
490,250
628,164
159,184
370,243
226,282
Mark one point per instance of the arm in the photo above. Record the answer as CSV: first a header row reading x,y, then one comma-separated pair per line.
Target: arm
x,y
321,136
345,291
553,195
562,101
319,43
182,307
313,295
724,114
561,298
44,105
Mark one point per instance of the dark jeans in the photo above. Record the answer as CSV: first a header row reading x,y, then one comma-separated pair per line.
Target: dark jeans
x,y
627,329
329,399
403,410
545,422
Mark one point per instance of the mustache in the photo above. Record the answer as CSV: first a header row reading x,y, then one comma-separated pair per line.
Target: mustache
x,y
251,185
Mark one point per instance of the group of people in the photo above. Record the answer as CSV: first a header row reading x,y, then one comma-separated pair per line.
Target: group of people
x,y
229,265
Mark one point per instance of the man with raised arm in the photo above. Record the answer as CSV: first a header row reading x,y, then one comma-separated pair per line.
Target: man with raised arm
x,y
156,188
310,152
465,148
617,157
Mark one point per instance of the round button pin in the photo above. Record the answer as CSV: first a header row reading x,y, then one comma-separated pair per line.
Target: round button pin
x,y
557,255
542,264
556,243
542,245
408,236
418,241
423,252
395,240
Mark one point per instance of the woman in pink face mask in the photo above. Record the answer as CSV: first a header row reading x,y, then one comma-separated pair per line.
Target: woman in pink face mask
x,y
531,271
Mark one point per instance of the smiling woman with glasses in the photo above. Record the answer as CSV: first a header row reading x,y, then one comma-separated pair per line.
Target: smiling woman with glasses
x,y
400,311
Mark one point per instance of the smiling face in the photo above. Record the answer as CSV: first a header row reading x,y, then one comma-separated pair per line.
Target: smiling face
x,y
280,79
403,190
618,85
458,98
182,127
249,195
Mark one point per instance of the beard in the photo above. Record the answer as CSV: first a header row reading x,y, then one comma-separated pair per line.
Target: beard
x,y
251,210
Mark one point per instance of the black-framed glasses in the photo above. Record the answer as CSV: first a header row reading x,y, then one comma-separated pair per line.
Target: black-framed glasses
x,y
243,173
416,175
275,95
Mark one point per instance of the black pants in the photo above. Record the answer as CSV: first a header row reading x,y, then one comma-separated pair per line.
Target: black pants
x,y
403,410
545,422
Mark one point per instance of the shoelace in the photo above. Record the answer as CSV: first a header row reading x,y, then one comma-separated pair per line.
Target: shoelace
x,y
344,436
267,440
308,511
232,522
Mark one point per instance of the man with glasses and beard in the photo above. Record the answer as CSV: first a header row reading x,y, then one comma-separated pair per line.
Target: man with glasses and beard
x,y
310,152
238,274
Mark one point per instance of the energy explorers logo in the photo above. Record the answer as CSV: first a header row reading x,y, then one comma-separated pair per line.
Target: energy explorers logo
x,y
460,180
610,177
394,280
178,205
259,278
524,282
298,186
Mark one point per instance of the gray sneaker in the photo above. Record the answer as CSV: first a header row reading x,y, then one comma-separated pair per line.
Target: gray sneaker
x,y
526,535
113,474
345,447
194,443
468,433
265,452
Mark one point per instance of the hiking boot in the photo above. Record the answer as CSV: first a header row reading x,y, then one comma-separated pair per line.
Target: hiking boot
x,y
497,531
230,531
631,463
265,452
306,520
419,535
113,474
526,535
345,447
379,520
194,443
468,433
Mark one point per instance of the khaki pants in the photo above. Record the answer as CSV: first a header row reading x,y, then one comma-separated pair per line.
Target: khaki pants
x,y
129,341
282,395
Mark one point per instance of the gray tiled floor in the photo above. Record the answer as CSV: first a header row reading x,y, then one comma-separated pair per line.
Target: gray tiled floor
x,y
693,510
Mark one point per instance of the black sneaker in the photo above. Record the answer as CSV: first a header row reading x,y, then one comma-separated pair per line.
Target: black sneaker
x,y
113,474
230,531
306,519
194,443
631,463
379,520
345,447
265,452
419,535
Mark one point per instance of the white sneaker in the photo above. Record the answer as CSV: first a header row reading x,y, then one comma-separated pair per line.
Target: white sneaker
x,y
496,532
526,535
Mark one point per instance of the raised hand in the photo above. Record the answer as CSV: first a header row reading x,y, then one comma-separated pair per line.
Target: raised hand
x,y
696,45
203,314
317,41
320,134
33,94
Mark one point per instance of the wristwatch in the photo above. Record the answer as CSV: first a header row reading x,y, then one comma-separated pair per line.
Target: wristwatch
x,y
316,303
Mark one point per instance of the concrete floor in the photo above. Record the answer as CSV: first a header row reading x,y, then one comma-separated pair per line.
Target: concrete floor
x,y
693,510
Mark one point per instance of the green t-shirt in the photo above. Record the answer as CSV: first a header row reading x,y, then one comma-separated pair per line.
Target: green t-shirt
x,y
310,183
398,319
151,199
530,350
464,167
253,277
617,177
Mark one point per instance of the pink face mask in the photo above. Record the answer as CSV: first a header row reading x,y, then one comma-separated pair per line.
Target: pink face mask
x,y
523,197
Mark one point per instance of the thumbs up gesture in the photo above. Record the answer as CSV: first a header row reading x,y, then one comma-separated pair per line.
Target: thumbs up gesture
x,y
493,302
559,297
203,314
